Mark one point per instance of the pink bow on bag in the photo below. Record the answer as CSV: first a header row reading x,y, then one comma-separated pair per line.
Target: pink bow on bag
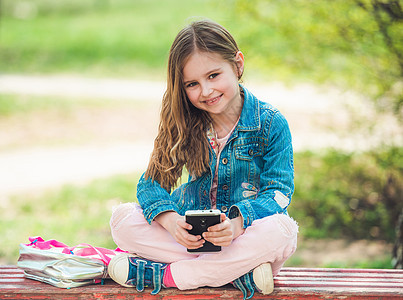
x,y
83,249
56,263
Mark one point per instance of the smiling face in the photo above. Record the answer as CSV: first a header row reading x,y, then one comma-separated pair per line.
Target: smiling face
x,y
211,84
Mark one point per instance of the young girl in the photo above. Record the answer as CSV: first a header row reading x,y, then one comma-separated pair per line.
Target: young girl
x,y
238,153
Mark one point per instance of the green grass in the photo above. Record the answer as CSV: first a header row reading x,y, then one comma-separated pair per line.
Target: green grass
x,y
122,38
381,263
71,214
20,105
385,262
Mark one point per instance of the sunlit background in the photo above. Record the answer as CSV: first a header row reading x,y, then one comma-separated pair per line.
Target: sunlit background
x,y
80,90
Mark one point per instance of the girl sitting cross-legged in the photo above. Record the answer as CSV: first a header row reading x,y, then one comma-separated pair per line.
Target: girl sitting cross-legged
x,y
238,152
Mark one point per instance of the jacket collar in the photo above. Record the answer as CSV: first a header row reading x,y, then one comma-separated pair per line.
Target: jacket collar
x,y
249,119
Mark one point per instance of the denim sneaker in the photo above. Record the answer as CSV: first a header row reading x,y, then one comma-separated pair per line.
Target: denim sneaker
x,y
260,278
130,270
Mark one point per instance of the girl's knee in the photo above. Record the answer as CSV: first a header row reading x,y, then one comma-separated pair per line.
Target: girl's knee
x,y
283,238
120,214
287,225
289,229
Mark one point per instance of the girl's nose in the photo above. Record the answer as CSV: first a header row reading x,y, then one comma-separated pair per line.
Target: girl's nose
x,y
206,89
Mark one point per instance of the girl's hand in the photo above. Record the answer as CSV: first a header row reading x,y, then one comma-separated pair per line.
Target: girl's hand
x,y
224,233
176,225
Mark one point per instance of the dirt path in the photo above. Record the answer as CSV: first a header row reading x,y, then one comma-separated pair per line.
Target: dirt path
x,y
45,150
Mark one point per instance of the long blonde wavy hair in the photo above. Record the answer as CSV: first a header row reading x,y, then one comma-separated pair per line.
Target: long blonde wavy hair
x,y
181,139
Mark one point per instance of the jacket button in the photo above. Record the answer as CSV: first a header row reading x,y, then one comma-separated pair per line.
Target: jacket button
x,y
225,187
251,152
224,209
224,161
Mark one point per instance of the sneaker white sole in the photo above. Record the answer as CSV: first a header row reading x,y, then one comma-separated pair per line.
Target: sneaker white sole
x,y
118,268
263,278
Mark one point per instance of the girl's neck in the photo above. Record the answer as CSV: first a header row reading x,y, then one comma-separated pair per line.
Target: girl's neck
x,y
224,123
223,127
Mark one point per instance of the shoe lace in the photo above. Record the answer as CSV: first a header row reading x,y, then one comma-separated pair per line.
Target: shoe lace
x,y
244,283
157,279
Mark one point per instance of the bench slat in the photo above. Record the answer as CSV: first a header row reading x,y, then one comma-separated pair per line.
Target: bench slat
x,y
338,279
358,292
341,275
337,284
338,270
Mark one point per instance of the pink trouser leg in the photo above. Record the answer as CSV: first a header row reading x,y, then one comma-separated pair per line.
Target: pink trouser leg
x,y
272,239
132,233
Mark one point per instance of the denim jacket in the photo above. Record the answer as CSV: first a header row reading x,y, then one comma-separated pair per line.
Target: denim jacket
x,y
255,172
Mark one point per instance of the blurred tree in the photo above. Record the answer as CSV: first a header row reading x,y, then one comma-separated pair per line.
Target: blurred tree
x,y
398,247
356,44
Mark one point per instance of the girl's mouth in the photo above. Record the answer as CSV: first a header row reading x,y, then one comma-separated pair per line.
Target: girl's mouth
x,y
213,101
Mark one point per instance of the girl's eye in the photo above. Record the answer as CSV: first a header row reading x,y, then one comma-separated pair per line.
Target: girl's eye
x,y
212,76
192,84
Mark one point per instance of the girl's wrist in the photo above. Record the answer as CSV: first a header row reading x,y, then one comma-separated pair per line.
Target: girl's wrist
x,y
237,226
166,218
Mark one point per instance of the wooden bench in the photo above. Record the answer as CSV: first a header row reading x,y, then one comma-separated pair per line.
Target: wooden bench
x,y
291,283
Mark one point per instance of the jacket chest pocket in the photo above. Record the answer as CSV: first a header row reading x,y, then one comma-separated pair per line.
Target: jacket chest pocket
x,y
248,151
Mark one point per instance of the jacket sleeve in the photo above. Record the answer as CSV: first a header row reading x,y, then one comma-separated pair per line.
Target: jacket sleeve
x,y
154,199
277,176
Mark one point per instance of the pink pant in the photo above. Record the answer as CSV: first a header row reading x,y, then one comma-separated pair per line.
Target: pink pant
x,y
272,239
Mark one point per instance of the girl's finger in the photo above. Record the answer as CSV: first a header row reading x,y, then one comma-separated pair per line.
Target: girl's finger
x,y
220,241
183,224
224,225
193,241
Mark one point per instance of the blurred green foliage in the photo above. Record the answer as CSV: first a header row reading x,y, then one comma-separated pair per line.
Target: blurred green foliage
x,y
353,44
120,37
351,195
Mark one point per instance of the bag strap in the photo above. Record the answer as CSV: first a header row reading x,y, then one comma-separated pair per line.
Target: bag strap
x,y
40,243
91,250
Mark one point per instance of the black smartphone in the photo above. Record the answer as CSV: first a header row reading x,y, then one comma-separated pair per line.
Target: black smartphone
x,y
200,221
